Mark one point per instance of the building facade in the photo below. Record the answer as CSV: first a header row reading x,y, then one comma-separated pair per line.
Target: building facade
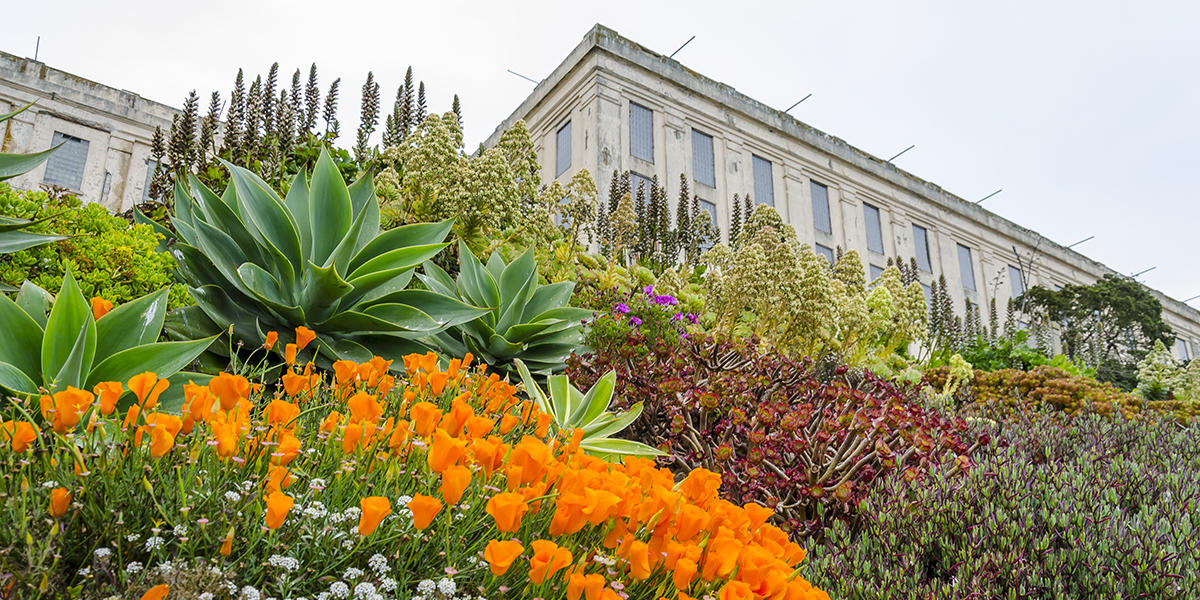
x,y
105,133
615,105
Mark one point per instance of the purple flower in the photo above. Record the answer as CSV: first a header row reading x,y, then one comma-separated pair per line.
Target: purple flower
x,y
677,317
667,300
634,321
693,318
621,308
683,336
648,290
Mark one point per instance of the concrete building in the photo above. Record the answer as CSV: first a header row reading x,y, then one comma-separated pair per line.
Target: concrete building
x,y
105,132
615,105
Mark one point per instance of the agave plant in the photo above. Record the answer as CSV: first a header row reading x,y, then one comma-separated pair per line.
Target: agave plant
x,y
13,238
527,321
50,343
574,409
256,262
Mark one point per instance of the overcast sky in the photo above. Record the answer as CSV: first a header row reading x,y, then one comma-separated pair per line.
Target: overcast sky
x,y
1087,114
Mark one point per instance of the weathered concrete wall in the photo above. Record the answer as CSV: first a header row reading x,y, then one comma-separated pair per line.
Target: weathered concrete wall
x,y
596,82
118,126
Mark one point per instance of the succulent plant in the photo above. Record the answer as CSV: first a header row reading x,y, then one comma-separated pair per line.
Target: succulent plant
x,y
525,320
317,258
574,409
70,347
12,238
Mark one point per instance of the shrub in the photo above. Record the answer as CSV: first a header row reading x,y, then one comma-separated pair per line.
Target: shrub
x,y
778,434
1010,392
109,257
1086,508
436,486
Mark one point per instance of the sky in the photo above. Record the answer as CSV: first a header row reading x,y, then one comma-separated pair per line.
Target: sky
x,y
1086,114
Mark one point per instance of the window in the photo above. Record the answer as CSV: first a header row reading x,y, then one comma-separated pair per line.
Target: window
x,y
1181,348
825,251
874,229
921,241
966,267
65,167
636,181
641,132
151,165
876,271
703,162
1015,281
711,209
562,146
764,183
820,203
928,294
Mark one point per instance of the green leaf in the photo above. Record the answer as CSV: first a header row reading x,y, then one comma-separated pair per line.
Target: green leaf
x,y
131,324
15,241
405,316
163,359
560,398
166,234
348,322
437,279
322,292
329,208
266,290
474,282
404,257
73,369
274,225
363,202
554,295
615,446
20,338
189,323
15,380
616,425
12,165
70,313
36,302
418,234
596,401
297,204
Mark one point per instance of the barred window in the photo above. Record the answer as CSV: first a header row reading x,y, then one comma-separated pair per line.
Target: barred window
x,y
641,132
764,182
921,241
562,146
820,205
703,161
874,229
65,166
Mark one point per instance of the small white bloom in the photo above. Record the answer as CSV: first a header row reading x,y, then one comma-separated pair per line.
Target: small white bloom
x,y
133,567
365,590
352,513
84,572
179,530
316,483
379,564
165,567
387,584
102,552
338,589
426,587
286,563
205,596
50,484
232,496
153,543
250,593
447,586
133,537
352,573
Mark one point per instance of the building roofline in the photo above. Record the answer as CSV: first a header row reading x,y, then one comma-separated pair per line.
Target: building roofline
x,y
601,38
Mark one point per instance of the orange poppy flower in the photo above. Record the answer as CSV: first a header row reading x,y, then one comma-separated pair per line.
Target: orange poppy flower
x,y
288,449
108,393
278,505
229,389
100,307
685,572
424,509
157,592
164,428
272,337
281,413
455,480
278,479
445,451
500,555
374,509
20,434
147,387
548,558
68,405
364,407
736,590
351,436
507,508
227,545
60,501
296,383
304,335
425,416
508,422
289,354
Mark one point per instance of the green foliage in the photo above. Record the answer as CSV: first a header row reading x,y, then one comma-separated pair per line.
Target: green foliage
x,y
256,262
15,234
108,256
1109,325
525,320
781,291
572,408
1014,352
52,343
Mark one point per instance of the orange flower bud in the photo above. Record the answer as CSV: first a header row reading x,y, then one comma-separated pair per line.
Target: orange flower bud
x,y
60,501
278,505
100,307
272,337
374,509
455,480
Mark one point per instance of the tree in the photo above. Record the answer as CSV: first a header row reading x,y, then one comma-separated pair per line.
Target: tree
x,y
1109,325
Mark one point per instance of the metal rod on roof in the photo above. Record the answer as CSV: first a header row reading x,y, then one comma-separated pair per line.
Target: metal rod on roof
x,y
1143,272
37,48
1080,241
681,47
1190,299
901,152
521,76
979,201
798,103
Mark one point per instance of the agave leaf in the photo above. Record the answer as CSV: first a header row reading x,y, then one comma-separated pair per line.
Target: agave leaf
x,y
532,388
617,424
74,369
297,203
322,293
159,230
221,214
15,241
403,257
418,234
511,311
350,322
189,323
372,286
264,209
495,266
161,358
266,290
597,400
522,333
446,310
15,380
348,246
35,301
70,313
563,313
547,297
474,282
12,165
560,397
609,447
405,316
222,252
516,277
329,208
220,308
362,199
133,323
437,279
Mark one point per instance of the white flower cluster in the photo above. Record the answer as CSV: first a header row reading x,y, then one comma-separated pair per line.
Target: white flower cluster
x,y
352,573
50,484
133,567
366,591
338,589
250,593
153,543
286,563
379,564
179,530
316,510
102,553
232,496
